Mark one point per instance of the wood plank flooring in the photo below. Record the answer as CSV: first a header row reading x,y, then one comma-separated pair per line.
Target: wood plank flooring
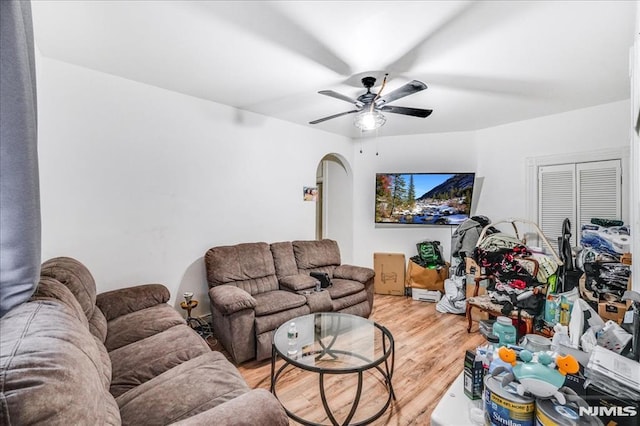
x,y
429,354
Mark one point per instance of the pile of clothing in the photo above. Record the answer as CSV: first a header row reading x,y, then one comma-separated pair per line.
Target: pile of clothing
x,y
463,242
465,238
603,242
519,274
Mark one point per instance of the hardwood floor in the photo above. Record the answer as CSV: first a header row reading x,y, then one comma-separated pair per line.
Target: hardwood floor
x,y
429,354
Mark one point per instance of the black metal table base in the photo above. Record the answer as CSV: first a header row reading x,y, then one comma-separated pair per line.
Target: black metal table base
x,y
386,361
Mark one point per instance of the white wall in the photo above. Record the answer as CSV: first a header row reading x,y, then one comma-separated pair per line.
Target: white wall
x,y
503,151
338,205
451,152
138,182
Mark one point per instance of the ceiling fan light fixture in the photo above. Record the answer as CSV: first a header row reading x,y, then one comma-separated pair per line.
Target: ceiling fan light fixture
x,y
369,120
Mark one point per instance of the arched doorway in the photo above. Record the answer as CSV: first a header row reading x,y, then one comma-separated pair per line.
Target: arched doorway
x,y
334,207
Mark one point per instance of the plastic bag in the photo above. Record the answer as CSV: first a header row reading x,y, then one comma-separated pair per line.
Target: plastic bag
x,y
453,300
553,303
560,337
613,337
583,318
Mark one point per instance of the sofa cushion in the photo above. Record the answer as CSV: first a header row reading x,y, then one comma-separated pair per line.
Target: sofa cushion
x,y
271,322
105,363
229,299
192,387
98,325
145,359
315,254
123,301
141,324
258,407
284,259
319,301
276,301
241,262
50,288
356,273
342,288
258,285
76,277
51,369
266,326
345,302
298,282
362,309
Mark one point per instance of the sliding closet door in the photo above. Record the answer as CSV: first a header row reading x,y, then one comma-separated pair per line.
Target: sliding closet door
x,y
599,189
579,192
556,199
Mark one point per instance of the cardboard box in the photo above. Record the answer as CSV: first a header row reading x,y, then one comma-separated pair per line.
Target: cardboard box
x,y
425,295
471,267
625,259
389,269
426,278
613,311
473,375
476,314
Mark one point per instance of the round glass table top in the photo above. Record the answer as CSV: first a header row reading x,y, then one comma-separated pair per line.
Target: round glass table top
x,y
332,341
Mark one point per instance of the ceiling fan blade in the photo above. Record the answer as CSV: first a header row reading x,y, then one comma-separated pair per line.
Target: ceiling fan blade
x,y
320,120
407,60
341,97
410,88
416,112
269,22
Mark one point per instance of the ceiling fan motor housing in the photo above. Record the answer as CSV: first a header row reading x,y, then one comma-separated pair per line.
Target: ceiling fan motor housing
x,y
368,82
367,98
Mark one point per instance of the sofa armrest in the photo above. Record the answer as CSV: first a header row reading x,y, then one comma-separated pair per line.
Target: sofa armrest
x,y
355,273
256,407
229,299
298,282
123,301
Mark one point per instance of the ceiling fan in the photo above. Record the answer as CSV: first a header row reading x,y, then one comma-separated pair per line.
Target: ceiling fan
x,y
369,105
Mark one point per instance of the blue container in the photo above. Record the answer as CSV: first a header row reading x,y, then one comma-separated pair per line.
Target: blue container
x,y
503,406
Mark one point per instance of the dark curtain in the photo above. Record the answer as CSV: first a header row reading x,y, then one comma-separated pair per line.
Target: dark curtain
x,y
19,187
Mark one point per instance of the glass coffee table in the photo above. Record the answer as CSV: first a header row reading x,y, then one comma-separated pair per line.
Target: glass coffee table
x,y
336,344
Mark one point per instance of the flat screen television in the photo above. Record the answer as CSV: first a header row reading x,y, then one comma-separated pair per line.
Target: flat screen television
x,y
423,198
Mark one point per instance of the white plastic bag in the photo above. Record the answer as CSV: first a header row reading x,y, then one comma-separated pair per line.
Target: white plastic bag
x,y
613,337
583,317
560,336
454,294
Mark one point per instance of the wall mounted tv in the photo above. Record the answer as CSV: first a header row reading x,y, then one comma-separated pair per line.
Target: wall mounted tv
x,y
423,198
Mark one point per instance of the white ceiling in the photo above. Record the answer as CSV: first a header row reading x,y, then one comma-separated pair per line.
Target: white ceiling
x,y
485,63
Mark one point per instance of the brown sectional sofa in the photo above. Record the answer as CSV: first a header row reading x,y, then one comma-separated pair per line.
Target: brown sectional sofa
x,y
71,357
256,287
